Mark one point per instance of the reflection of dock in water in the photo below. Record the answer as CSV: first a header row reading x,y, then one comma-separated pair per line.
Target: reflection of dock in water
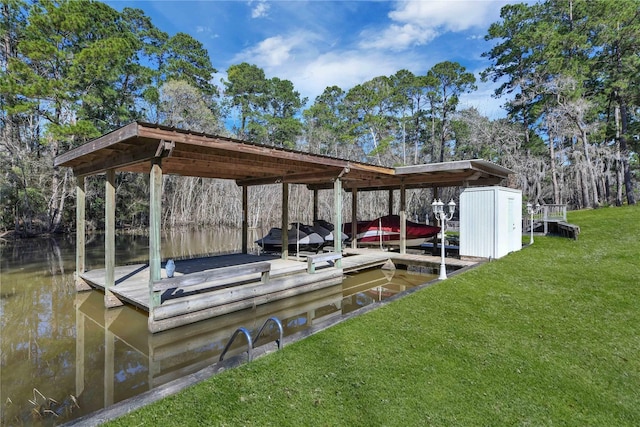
x,y
209,287
135,358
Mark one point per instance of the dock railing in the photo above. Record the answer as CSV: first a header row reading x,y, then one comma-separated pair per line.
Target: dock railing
x,y
547,213
330,257
201,292
553,213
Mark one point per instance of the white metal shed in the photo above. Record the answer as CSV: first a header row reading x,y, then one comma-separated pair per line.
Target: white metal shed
x,y
490,221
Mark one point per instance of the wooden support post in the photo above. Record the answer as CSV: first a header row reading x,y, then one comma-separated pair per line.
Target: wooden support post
x,y
155,214
245,219
390,202
285,220
337,214
110,300
109,358
354,218
403,220
315,205
81,285
80,340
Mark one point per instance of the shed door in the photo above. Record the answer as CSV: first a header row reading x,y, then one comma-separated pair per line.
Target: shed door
x,y
511,224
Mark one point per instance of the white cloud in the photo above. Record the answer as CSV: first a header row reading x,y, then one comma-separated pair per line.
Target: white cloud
x,y
398,37
277,50
261,10
342,69
296,57
273,51
416,23
315,60
451,15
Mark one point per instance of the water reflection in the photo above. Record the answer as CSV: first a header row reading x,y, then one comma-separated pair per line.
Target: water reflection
x,y
64,355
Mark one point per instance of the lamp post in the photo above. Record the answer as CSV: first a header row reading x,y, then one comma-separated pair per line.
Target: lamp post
x,y
443,217
531,210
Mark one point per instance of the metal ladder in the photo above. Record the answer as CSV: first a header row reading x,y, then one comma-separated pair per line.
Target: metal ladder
x,y
251,342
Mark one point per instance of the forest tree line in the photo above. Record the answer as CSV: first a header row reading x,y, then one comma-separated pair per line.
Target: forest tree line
x,y
568,73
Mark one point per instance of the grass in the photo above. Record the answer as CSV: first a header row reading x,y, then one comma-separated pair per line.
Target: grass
x,y
549,335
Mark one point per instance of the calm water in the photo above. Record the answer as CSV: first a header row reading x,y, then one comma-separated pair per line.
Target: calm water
x,y
63,355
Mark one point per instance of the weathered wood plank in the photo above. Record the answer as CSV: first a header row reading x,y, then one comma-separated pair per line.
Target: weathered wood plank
x,y
80,232
155,214
233,294
337,217
313,260
142,152
218,274
354,218
245,219
110,300
285,220
172,343
195,316
104,141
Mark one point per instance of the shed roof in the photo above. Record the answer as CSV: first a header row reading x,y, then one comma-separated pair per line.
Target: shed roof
x,y
183,152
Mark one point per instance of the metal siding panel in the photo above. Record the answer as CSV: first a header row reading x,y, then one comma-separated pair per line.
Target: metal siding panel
x,y
517,212
487,221
476,222
502,226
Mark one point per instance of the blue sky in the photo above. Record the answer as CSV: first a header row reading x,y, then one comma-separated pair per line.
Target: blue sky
x,y
320,43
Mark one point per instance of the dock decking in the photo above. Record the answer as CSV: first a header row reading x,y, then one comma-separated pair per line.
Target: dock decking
x,y
361,258
132,281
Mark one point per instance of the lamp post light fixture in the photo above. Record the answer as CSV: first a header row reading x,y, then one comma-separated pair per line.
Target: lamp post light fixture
x,y
532,210
443,217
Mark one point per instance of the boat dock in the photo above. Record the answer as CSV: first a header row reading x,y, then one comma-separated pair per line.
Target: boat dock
x,y
234,292
362,258
207,288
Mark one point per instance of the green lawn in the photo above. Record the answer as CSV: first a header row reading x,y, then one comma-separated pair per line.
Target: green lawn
x,y
549,335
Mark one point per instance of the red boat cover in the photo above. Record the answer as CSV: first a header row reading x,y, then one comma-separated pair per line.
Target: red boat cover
x,y
391,225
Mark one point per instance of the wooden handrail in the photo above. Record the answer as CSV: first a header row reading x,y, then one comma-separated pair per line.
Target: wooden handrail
x,y
216,274
312,260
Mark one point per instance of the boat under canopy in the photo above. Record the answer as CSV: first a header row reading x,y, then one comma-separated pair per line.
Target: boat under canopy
x,y
300,237
386,231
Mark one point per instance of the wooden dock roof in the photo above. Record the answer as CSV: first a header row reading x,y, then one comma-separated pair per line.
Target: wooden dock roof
x,y
188,153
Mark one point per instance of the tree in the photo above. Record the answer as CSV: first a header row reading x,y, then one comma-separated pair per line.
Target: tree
x,y
58,64
268,108
451,80
514,58
72,70
281,113
326,124
245,86
617,34
370,107
180,57
185,107
409,101
594,46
